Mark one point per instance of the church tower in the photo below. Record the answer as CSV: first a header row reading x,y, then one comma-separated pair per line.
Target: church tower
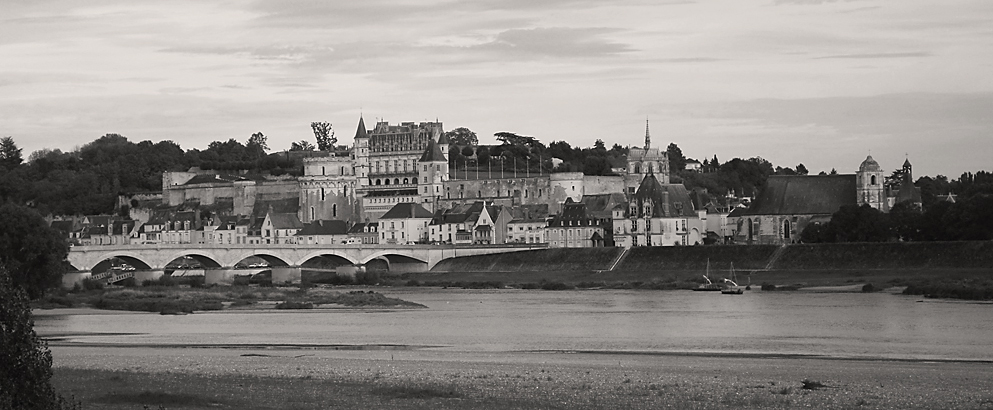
x,y
432,172
869,182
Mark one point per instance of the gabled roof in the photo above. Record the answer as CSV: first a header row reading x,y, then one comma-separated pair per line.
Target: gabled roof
x,y
406,210
324,227
804,195
360,227
360,131
432,153
670,200
602,205
285,221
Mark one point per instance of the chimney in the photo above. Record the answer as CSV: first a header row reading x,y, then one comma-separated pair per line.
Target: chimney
x,y
665,203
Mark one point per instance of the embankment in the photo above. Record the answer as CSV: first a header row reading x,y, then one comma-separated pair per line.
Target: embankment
x,y
807,264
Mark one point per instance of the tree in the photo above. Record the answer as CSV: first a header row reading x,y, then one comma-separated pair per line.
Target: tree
x,y
462,136
303,145
324,135
801,170
859,224
10,155
677,162
25,361
467,151
32,251
257,144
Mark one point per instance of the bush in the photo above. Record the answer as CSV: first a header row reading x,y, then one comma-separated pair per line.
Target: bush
x,y
868,288
25,361
90,284
295,305
556,286
367,278
768,286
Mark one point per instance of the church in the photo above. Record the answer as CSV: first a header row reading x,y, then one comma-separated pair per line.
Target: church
x,y
788,204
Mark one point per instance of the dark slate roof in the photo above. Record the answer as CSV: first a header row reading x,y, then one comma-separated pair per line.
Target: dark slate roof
x,y
406,210
525,213
908,192
432,153
285,221
360,131
804,195
602,205
322,227
360,227
679,202
443,140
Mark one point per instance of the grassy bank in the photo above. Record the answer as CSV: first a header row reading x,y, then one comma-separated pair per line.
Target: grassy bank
x,y
169,299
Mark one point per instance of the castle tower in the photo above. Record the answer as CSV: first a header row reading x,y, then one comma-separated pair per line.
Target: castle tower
x,y
648,137
443,143
360,153
869,182
432,172
328,190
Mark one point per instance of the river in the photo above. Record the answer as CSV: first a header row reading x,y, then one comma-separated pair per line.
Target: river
x,y
841,325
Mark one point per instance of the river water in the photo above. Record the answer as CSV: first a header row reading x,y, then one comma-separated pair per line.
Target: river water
x,y
843,325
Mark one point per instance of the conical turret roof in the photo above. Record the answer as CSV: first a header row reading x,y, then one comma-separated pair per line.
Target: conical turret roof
x,y
360,131
432,153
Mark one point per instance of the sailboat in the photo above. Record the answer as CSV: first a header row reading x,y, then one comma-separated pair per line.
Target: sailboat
x,y
709,286
730,285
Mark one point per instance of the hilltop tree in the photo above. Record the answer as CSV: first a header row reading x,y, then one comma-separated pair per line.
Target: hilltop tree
x,y
801,170
303,145
462,136
257,144
677,162
10,155
324,134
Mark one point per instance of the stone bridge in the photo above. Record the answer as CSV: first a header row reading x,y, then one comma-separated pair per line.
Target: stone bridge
x,y
407,258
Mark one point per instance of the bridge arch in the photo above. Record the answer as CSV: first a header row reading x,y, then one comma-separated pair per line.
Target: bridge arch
x,y
207,259
398,261
131,258
272,260
326,252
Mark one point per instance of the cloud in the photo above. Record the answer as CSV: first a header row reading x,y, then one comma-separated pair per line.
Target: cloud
x,y
557,42
877,55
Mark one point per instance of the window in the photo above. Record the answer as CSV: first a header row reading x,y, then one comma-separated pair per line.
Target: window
x,y
873,180
312,214
334,210
322,194
322,171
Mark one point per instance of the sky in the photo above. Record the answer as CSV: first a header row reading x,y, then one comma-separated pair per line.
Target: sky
x,y
819,82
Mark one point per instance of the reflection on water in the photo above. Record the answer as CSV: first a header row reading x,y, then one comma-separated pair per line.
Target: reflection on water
x,y
837,324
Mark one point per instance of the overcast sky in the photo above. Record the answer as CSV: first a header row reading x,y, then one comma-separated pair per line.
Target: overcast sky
x,y
818,82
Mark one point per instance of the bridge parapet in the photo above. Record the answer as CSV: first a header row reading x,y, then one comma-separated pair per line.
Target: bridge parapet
x,y
156,257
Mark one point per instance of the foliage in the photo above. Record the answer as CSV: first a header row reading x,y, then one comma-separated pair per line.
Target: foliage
x,y
10,155
257,145
677,162
25,361
31,250
303,145
462,136
324,134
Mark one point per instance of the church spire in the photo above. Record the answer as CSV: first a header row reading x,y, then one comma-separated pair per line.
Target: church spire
x,y
648,137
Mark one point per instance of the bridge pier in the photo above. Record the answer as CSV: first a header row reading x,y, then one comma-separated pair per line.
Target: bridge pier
x,y
71,279
141,276
219,276
286,274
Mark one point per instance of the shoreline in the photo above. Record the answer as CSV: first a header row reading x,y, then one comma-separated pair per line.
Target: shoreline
x,y
268,379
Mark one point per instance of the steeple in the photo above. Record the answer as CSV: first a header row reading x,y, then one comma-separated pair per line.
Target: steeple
x,y
648,137
360,132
